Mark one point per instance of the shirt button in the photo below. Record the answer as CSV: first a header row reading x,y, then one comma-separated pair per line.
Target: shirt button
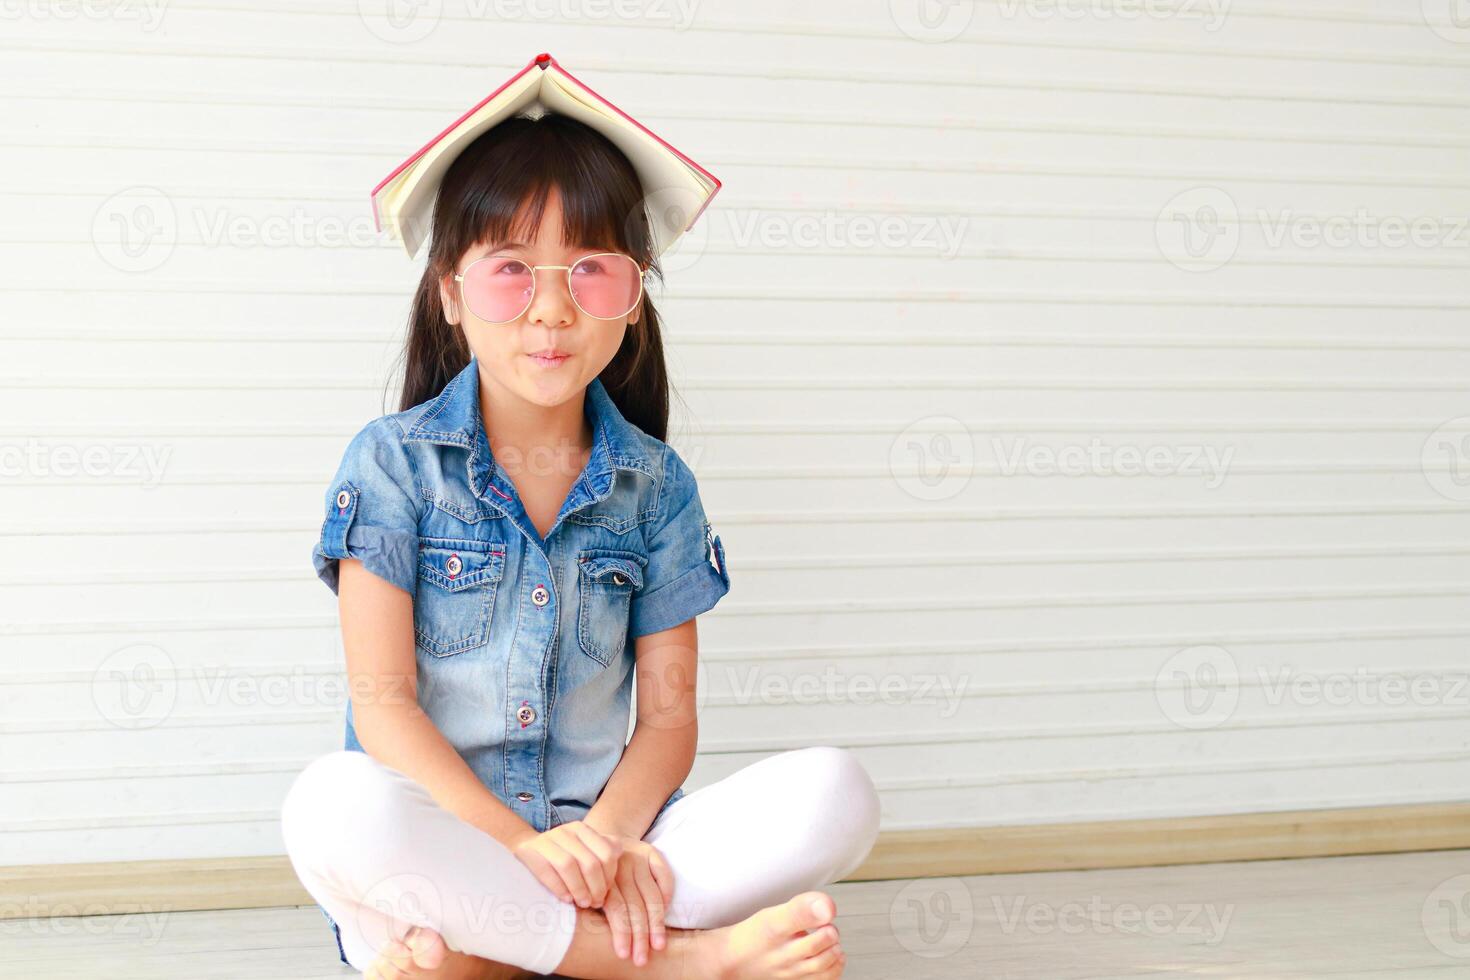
x,y
454,565
540,596
343,499
525,797
527,714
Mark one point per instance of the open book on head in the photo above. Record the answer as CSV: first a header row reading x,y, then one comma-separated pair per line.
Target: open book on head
x,y
403,201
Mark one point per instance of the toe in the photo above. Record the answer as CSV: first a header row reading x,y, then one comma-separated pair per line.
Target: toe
x,y
399,959
817,941
381,970
392,959
827,963
811,910
426,948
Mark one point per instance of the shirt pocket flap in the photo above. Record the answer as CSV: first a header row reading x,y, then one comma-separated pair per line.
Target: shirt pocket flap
x,y
613,569
453,564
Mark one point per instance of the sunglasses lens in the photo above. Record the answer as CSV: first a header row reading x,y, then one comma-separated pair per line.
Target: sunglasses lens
x,y
498,289
606,286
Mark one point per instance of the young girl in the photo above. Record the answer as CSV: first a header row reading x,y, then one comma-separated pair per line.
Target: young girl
x,y
505,549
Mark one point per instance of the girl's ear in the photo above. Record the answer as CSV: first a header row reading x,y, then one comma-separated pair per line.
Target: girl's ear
x,y
637,313
449,298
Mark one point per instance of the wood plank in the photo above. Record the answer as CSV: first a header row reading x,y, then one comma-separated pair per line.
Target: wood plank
x,y
1175,840
1350,918
260,882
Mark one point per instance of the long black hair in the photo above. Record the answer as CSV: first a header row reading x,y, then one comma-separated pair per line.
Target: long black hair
x,y
511,169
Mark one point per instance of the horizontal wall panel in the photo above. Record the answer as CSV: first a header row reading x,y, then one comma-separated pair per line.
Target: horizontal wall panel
x,y
1230,239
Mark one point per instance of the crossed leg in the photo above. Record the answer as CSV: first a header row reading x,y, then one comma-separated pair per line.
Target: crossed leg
x,y
380,856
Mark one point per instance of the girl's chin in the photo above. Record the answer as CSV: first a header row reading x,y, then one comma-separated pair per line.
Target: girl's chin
x,y
549,388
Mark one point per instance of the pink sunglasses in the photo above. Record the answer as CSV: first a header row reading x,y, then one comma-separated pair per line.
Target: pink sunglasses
x,y
499,288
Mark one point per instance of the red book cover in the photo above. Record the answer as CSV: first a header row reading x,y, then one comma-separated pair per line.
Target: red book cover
x,y
542,61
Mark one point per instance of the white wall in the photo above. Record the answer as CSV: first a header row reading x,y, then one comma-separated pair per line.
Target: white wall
x,y
845,397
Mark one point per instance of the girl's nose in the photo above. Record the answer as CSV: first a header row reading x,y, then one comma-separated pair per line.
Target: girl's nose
x,y
551,304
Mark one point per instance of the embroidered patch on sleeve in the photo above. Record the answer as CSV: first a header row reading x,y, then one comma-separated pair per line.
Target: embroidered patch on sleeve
x,y
710,552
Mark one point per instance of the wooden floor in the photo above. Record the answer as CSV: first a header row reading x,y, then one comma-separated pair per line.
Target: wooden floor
x,y
1401,915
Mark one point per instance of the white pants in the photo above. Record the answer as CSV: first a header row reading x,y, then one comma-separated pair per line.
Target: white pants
x,y
375,850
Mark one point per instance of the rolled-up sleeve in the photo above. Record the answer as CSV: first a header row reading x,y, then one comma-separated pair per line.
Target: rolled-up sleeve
x,y
371,510
686,573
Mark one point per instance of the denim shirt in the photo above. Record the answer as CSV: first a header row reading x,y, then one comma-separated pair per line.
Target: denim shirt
x,y
524,646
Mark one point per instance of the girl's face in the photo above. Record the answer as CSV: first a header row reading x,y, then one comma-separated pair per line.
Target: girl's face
x,y
507,352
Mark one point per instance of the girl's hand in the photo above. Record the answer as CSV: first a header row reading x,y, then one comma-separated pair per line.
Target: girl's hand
x,y
574,861
641,891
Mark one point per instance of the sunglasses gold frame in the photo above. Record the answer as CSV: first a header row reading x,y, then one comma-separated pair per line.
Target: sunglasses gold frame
x,y
642,271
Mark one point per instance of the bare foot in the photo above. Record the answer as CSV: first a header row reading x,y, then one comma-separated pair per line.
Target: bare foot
x,y
794,939
423,956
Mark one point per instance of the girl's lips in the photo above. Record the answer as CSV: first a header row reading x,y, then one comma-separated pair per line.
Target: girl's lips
x,y
548,361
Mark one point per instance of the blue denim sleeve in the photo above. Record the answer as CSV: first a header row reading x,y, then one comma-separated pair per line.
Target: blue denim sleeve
x,y
686,573
371,511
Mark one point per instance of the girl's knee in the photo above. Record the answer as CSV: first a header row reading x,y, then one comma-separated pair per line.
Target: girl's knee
x,y
337,796
843,799
840,778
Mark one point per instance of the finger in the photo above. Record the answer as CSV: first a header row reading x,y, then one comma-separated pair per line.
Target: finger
x,y
570,869
546,873
591,867
609,845
637,919
608,850
653,900
616,910
662,873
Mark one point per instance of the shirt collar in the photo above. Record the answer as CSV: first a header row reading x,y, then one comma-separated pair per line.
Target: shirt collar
x,y
452,418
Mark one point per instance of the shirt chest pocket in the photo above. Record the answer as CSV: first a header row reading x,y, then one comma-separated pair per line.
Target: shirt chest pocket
x,y
607,580
456,593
